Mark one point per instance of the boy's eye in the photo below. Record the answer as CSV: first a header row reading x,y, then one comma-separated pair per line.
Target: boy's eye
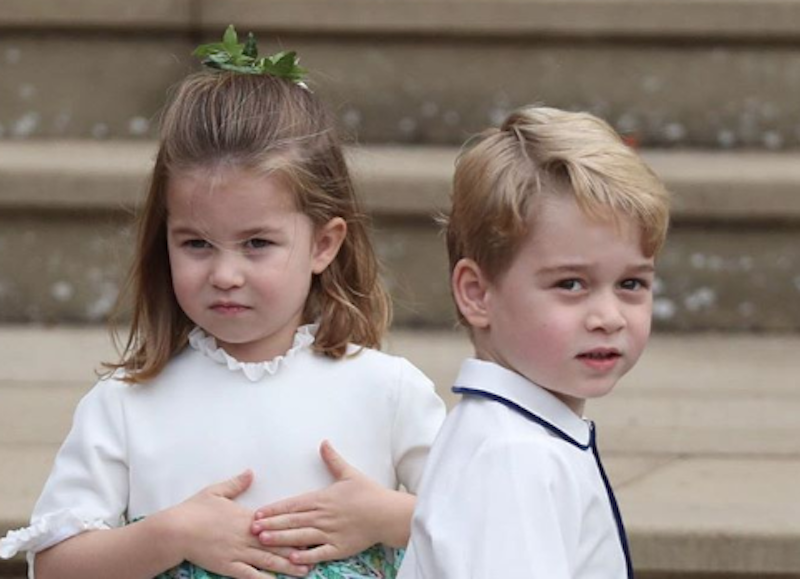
x,y
633,284
572,285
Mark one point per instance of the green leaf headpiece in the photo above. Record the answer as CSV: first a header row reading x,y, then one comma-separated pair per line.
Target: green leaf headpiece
x,y
243,58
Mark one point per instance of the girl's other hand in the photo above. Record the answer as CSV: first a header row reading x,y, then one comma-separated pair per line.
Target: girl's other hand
x,y
212,532
339,521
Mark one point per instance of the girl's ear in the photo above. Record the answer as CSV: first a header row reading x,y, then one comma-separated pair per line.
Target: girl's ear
x,y
470,291
327,241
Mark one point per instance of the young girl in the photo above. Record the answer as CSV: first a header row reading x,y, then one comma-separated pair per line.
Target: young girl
x,y
256,305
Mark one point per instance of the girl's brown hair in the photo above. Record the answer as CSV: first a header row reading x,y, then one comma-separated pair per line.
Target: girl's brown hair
x,y
265,124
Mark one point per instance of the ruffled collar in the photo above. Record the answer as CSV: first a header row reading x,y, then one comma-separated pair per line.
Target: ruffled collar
x,y
254,371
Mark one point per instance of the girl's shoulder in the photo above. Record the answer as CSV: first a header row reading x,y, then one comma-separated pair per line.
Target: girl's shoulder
x,y
383,364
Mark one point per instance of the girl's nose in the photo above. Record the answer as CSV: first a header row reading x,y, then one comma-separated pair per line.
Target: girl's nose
x,y
226,272
605,315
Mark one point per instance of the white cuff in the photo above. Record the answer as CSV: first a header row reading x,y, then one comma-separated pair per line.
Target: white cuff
x,y
46,532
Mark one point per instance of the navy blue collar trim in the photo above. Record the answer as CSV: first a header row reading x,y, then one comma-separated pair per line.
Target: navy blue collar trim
x,y
527,414
623,538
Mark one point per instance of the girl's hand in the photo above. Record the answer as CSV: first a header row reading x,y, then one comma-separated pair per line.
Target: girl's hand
x,y
339,521
212,532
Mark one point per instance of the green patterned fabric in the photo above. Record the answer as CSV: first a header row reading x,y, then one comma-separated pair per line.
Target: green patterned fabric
x,y
376,562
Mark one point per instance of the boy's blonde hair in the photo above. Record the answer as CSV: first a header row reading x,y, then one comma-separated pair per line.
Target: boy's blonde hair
x,y
538,152
272,126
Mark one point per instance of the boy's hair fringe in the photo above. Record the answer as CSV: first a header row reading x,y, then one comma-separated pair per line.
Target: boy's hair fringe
x,y
503,173
272,126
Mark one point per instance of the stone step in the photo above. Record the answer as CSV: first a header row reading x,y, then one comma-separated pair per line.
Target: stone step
x,y
732,261
700,439
705,73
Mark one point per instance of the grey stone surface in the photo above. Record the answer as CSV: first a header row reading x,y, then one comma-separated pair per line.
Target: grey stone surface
x,y
732,260
88,14
424,71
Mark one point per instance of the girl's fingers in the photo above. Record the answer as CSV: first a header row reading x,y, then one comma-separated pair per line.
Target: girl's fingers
x,y
305,537
337,466
285,522
273,563
298,504
245,571
315,555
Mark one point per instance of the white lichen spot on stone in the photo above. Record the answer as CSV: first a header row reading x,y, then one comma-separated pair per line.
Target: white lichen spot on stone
x,y
407,126
700,299
452,118
27,92
100,130
62,291
627,123
726,138
675,132
772,140
26,125
698,260
13,55
664,309
104,303
497,115
138,126
429,109
746,309
351,118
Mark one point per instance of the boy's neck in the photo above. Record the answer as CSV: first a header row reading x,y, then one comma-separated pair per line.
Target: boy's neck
x,y
577,405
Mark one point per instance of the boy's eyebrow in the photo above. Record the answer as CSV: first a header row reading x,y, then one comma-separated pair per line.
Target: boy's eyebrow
x,y
640,268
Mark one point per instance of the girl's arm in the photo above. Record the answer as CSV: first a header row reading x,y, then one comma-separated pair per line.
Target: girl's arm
x,y
209,529
339,521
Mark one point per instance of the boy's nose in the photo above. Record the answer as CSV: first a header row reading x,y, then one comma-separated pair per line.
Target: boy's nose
x,y
605,315
225,271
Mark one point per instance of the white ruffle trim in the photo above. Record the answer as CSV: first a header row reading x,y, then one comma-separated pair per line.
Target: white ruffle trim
x,y
254,371
46,532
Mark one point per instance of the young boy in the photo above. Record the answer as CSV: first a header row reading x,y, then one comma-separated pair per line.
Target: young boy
x,y
554,228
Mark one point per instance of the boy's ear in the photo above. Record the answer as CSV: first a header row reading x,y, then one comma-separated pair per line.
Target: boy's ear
x,y
470,292
327,241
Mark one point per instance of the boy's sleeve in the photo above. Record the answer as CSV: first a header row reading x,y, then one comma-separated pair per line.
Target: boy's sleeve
x,y
88,486
419,413
512,512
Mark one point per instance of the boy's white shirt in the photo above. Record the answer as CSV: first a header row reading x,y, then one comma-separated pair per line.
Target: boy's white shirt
x,y
503,496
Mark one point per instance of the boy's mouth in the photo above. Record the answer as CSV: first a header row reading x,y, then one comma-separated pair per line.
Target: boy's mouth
x,y
600,359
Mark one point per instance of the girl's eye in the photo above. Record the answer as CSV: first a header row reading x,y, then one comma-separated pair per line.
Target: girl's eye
x,y
633,284
257,243
571,285
196,244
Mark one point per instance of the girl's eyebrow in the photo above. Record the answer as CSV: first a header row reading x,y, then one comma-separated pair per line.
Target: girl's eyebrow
x,y
244,234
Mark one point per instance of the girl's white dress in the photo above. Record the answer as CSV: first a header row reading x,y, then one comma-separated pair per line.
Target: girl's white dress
x,y
137,449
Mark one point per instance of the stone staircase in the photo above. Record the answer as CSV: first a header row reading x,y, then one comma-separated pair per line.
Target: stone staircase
x,y
702,439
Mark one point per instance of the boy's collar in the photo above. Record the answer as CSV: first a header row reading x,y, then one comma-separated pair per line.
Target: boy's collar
x,y
496,382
